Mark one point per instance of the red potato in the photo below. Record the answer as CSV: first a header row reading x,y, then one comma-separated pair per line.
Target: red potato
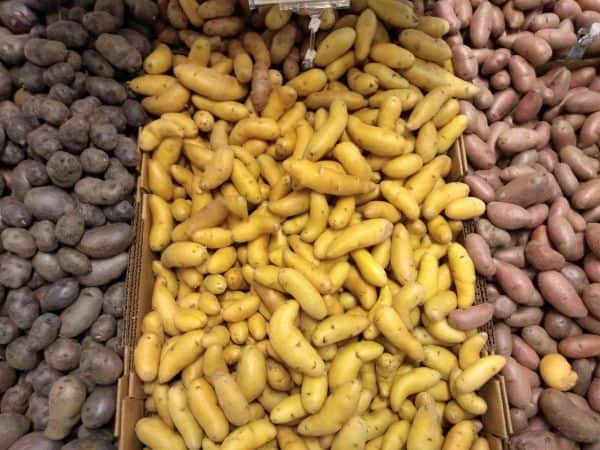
x,y
548,159
567,9
591,266
590,4
516,140
559,38
514,282
537,215
479,251
524,354
503,342
514,17
497,61
589,324
559,84
544,20
491,177
512,255
483,54
540,234
464,62
508,40
515,171
478,152
584,167
484,98
581,346
563,133
477,120
585,19
560,293
566,179
518,419
480,188
504,307
500,80
444,9
590,131
593,394
517,387
576,276
588,102
498,23
481,24
539,340
574,420
534,49
463,11
543,257
526,190
591,298
525,316
587,194
576,220
473,317
544,133
592,237
582,77
503,104
508,216
527,158
522,74
563,236
528,107
592,215
559,326
495,237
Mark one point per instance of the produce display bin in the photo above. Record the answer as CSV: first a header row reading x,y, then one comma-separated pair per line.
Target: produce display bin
x,y
140,280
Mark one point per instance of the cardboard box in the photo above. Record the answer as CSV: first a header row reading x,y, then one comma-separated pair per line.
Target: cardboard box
x,y
140,280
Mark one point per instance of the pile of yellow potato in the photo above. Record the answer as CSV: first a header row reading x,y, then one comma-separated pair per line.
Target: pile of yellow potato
x,y
307,261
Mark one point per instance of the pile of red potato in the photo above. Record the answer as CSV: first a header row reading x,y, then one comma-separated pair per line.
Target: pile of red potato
x,y
532,146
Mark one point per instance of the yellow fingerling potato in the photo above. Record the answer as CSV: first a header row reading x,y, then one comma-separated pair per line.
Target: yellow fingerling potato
x,y
154,433
392,55
364,234
151,85
183,254
396,435
162,223
427,75
159,61
388,78
381,142
470,350
250,436
447,112
202,402
389,323
424,46
557,372
209,83
182,417
307,296
185,350
290,344
334,45
172,100
338,328
187,319
402,259
450,132
313,393
339,407
366,25
146,356
427,107
354,434
288,410
308,82
426,431
440,359
464,208
395,13
435,27
462,435
439,198
328,134
479,373
463,274
349,360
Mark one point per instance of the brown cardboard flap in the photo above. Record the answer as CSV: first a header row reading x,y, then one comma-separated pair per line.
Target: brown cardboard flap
x,y
495,443
131,411
494,420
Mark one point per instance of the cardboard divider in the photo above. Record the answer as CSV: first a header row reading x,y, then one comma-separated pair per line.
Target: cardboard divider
x,y
571,64
140,280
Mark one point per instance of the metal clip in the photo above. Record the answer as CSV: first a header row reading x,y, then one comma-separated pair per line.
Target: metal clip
x,y
313,27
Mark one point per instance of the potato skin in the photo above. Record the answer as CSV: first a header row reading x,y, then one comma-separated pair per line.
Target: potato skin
x,y
8,376
43,331
59,294
12,427
48,202
119,52
66,399
99,407
35,441
105,270
574,422
19,354
63,354
106,241
73,261
581,346
101,364
561,294
80,315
